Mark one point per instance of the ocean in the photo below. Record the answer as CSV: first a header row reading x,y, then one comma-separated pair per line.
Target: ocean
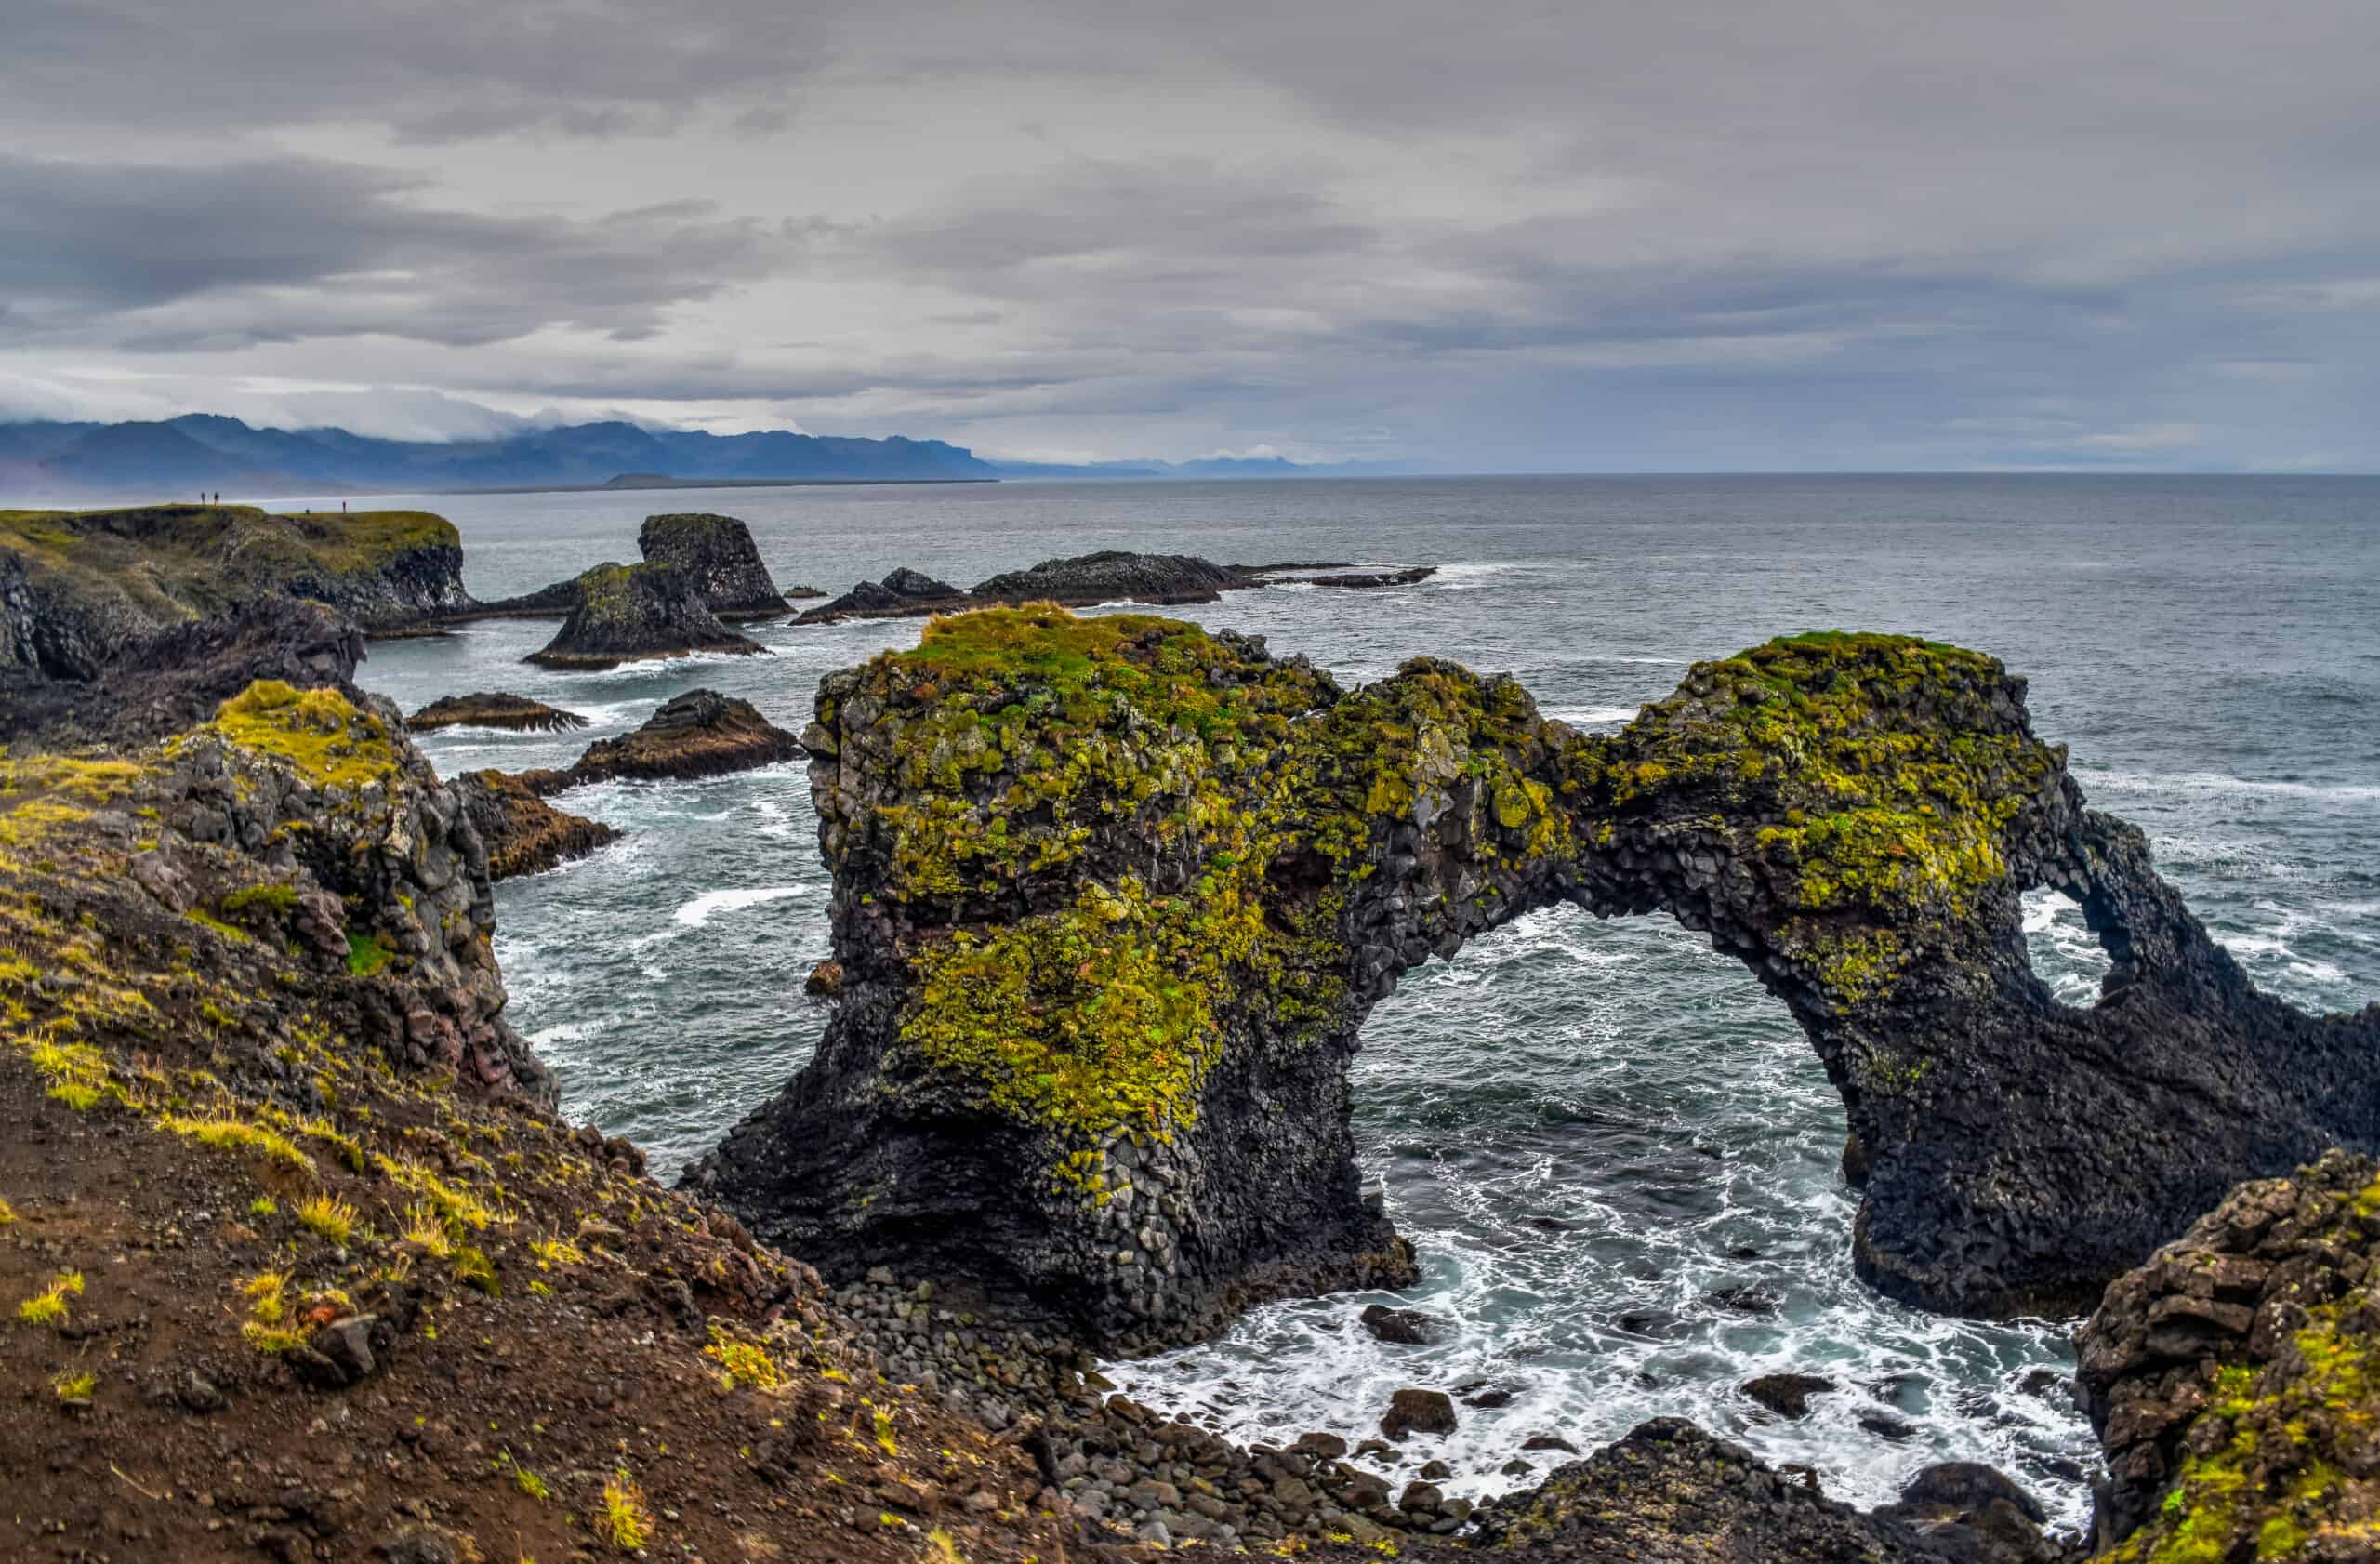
x,y
1598,1135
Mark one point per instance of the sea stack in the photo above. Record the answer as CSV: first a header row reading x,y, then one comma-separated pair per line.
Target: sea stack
x,y
716,555
626,613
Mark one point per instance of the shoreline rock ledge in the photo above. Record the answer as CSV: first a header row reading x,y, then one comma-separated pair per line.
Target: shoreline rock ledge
x,y
1113,897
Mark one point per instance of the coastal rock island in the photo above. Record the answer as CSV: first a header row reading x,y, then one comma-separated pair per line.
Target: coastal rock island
x,y
717,554
1114,896
625,612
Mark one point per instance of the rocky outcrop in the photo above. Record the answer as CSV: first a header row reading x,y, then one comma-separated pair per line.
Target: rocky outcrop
x,y
1113,576
901,593
2229,1378
1114,896
1671,1492
701,733
632,613
524,834
168,680
516,713
717,554
1086,580
75,587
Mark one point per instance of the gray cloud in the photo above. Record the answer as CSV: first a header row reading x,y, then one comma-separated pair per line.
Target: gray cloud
x,y
156,258
1847,232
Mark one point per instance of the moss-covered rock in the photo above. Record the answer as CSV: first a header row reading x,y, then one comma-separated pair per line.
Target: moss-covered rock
x,y
628,613
1114,894
2231,1379
700,732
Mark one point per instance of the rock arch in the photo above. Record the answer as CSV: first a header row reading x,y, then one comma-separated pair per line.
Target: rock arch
x,y
1113,897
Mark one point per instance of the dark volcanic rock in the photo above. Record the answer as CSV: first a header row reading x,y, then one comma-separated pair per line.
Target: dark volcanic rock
x,y
172,680
1114,897
1418,1411
1974,1507
516,712
2228,1380
904,592
1671,1492
1408,1327
717,554
701,733
1787,1395
1112,575
626,613
524,833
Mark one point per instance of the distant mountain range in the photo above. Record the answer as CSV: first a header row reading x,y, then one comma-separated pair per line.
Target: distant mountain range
x,y
205,451
208,452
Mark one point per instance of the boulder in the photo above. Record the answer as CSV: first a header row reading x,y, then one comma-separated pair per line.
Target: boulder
x,y
1967,1506
516,713
629,613
1407,1327
522,832
1671,1492
1787,1395
701,733
1418,1411
717,554
1855,817
2227,1377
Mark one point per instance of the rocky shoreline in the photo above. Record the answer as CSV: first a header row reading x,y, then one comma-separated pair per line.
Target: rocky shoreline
x,y
303,1266
1087,580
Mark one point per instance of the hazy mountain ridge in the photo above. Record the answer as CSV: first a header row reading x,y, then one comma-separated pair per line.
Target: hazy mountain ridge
x,y
208,451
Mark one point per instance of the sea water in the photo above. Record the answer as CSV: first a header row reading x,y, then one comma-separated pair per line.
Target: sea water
x,y
1618,1158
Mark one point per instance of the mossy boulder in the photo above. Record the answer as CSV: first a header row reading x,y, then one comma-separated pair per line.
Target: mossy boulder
x,y
623,613
717,554
2232,1378
1114,896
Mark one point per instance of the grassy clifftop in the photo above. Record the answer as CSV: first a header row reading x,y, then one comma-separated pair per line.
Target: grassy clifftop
x,y
165,563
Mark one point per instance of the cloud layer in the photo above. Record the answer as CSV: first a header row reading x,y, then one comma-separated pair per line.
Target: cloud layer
x,y
1841,234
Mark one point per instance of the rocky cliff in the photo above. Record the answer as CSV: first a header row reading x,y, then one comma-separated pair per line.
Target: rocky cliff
x,y
77,585
1114,896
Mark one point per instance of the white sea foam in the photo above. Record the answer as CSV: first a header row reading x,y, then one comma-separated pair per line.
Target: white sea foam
x,y
2208,783
1593,716
697,912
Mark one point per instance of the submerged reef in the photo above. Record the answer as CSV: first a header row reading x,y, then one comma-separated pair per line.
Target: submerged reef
x,y
517,713
1112,898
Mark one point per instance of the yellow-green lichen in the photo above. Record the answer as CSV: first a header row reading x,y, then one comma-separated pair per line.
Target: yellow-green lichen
x,y
319,733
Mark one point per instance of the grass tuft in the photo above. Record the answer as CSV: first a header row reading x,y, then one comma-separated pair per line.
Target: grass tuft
x,y
627,1523
332,1219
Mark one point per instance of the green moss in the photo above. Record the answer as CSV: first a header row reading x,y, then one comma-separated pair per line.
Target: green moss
x,y
365,955
277,900
176,562
319,732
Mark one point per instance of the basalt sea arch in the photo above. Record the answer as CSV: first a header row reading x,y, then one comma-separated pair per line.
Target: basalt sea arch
x,y
1113,897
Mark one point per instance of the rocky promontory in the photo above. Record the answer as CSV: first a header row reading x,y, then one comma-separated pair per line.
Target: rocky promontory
x,y
1113,897
516,713
623,613
75,584
717,556
524,834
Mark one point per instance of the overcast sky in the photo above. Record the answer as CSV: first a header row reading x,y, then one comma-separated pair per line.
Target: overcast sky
x,y
1582,235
